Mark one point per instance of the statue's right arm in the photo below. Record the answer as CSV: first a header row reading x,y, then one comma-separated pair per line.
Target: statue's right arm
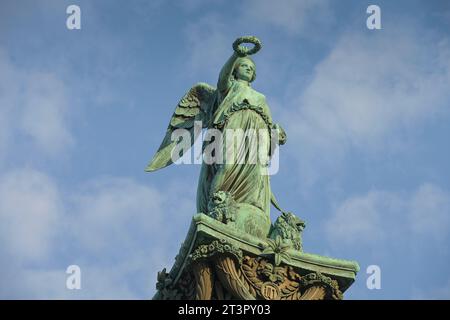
x,y
224,82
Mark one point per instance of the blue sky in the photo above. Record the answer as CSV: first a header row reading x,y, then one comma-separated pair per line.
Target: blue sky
x,y
82,112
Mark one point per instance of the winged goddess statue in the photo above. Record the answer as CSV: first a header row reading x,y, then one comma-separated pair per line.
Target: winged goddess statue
x,y
233,192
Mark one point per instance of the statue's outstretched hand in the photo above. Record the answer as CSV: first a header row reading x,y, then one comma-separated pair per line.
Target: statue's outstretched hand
x,y
282,136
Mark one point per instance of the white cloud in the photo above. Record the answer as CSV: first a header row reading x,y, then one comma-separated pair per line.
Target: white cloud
x,y
209,45
209,36
43,116
118,231
33,104
22,283
381,216
132,230
8,93
109,208
363,219
430,212
30,213
367,93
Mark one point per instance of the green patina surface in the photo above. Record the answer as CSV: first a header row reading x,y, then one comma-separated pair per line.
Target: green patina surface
x,y
234,197
241,178
203,229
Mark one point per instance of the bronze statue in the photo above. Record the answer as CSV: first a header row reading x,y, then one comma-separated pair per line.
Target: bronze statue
x,y
233,106
232,251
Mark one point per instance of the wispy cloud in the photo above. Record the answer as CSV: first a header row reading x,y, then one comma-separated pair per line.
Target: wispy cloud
x,y
35,105
403,232
360,219
369,88
379,216
209,36
10,91
209,45
115,229
430,212
30,213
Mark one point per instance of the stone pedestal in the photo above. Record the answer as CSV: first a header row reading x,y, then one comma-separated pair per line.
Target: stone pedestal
x,y
217,261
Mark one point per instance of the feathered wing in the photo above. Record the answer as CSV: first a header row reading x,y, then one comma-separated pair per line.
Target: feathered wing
x,y
195,105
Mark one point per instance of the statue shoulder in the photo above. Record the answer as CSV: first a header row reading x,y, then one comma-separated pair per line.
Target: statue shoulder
x,y
258,96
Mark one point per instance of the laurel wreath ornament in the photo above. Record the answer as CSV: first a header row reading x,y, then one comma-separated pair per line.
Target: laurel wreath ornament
x,y
244,51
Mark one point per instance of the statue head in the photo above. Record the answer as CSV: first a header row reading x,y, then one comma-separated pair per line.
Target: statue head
x,y
244,69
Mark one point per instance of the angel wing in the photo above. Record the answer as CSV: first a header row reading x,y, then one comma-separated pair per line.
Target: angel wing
x,y
195,105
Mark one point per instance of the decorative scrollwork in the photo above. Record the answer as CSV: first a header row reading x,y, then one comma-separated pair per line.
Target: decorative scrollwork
x,y
284,283
319,279
270,282
215,247
221,271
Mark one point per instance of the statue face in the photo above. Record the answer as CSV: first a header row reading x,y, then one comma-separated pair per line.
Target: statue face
x,y
245,70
